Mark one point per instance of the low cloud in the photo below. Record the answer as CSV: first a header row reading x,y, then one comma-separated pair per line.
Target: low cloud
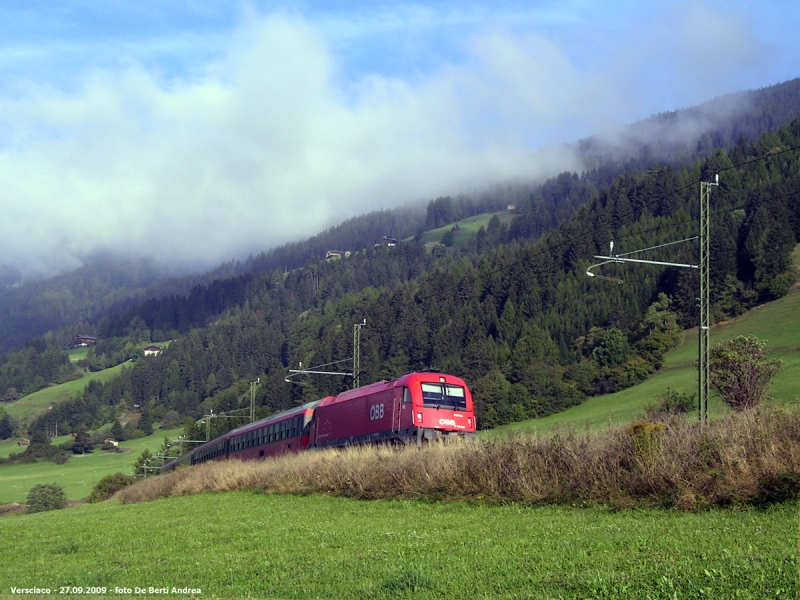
x,y
264,147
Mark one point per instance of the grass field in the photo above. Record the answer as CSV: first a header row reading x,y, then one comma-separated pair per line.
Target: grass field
x,y
467,228
79,475
777,323
245,544
33,403
77,354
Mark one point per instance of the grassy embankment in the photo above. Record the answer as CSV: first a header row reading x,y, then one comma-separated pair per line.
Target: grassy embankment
x,y
246,544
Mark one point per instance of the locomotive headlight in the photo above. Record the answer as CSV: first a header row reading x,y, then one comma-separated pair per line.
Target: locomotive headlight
x,y
469,421
419,417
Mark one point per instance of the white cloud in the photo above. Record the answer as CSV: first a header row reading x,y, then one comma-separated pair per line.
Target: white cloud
x,y
265,146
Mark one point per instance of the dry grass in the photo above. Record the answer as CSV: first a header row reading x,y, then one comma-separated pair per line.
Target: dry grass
x,y
741,459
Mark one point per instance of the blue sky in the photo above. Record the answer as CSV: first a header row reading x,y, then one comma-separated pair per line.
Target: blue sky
x,y
200,131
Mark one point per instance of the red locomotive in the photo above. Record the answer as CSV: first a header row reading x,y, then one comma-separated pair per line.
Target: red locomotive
x,y
416,408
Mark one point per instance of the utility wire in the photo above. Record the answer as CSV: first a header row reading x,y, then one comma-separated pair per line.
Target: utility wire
x,y
633,211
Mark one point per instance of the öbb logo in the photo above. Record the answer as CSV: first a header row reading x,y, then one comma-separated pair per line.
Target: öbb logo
x,y
450,422
376,412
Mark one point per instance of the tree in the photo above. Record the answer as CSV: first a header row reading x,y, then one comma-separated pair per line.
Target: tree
x,y
6,427
146,423
82,444
46,496
142,464
117,432
740,372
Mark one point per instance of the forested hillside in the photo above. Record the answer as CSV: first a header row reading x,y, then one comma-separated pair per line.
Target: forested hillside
x,y
75,301
515,316
61,307
678,137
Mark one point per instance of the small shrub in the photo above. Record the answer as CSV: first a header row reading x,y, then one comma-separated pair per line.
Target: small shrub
x,y
671,403
46,496
782,487
647,440
110,485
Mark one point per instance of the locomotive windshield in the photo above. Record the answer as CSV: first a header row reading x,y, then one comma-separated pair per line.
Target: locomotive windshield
x,y
442,395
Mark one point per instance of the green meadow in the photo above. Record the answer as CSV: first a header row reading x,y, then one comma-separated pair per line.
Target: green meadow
x,y
80,474
466,228
38,401
246,544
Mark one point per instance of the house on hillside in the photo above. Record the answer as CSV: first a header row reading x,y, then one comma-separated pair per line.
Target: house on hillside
x,y
153,350
336,254
385,240
80,341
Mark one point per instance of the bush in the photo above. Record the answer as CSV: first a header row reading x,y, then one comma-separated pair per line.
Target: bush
x,y
46,496
671,403
740,372
110,485
648,440
109,447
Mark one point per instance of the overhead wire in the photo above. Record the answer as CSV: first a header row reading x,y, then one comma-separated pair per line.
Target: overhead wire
x,y
633,211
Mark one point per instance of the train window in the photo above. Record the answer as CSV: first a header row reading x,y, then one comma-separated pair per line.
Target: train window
x,y
406,394
439,395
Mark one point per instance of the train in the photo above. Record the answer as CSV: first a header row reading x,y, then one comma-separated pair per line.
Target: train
x,y
416,408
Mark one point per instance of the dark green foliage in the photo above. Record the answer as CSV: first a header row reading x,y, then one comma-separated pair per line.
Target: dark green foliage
x,y
142,465
146,423
740,372
110,485
33,368
672,403
781,487
82,444
443,211
118,432
46,496
6,427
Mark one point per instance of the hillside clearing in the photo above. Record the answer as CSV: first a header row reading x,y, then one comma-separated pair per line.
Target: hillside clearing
x,y
31,404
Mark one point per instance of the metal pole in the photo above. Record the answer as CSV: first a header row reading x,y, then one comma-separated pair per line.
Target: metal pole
x,y
704,267
704,330
357,353
253,385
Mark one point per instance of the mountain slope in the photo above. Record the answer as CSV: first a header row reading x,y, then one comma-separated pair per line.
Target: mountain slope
x,y
774,322
75,301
